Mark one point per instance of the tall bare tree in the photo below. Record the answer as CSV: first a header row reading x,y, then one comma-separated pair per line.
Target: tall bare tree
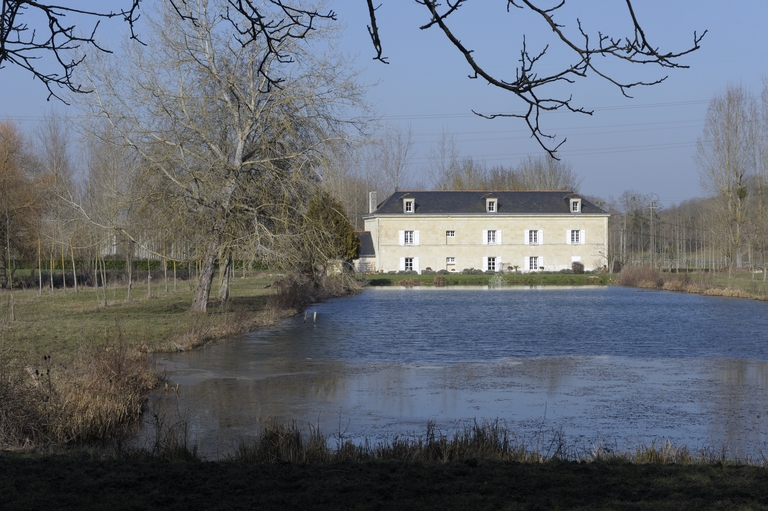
x,y
20,200
233,147
725,154
392,155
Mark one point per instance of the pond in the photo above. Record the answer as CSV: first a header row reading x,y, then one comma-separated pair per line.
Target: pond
x,y
601,365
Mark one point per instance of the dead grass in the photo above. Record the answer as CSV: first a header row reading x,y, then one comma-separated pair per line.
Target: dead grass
x,y
93,398
740,285
478,441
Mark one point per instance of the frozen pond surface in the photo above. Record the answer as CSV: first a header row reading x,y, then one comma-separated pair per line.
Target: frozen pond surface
x,y
604,365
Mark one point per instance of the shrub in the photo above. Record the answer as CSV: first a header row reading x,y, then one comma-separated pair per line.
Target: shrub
x,y
640,276
577,267
439,281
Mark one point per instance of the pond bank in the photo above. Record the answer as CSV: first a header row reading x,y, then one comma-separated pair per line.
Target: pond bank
x,y
75,372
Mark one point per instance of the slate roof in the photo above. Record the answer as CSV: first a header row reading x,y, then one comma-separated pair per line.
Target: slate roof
x,y
366,244
474,202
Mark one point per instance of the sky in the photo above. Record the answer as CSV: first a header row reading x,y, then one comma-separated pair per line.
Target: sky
x,y
645,144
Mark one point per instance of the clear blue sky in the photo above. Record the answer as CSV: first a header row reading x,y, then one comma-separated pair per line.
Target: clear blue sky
x,y
645,144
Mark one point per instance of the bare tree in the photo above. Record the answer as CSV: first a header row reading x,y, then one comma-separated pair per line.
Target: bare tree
x,y
272,23
20,201
392,154
443,160
726,158
67,28
590,54
231,148
547,173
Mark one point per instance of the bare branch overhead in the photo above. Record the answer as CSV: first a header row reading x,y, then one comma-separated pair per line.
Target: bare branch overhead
x,y
527,84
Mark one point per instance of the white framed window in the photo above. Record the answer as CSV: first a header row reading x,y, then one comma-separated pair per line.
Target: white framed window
x,y
574,237
491,205
575,205
408,205
533,237
533,263
492,264
409,237
450,234
492,237
408,264
450,260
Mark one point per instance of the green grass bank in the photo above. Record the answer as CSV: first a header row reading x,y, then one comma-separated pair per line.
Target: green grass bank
x,y
511,279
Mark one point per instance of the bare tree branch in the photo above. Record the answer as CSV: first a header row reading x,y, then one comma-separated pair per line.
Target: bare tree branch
x,y
635,49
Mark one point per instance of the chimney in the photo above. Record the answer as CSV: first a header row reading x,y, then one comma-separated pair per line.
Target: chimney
x,y
371,202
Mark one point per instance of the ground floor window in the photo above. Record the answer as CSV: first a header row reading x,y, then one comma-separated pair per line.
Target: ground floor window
x,y
533,263
409,264
450,260
492,264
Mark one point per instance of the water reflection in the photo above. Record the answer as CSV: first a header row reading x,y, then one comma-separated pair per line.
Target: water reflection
x,y
386,362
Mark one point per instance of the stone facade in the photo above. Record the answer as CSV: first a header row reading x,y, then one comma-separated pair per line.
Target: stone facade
x,y
496,231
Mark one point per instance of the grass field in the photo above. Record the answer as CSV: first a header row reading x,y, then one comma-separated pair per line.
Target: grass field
x,y
63,323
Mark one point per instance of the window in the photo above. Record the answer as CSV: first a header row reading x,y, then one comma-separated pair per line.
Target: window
x,y
408,237
491,237
450,260
575,205
491,264
533,237
408,205
533,263
409,264
490,205
450,234
575,237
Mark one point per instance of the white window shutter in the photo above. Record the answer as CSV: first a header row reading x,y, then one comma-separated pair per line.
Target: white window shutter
x,y
415,237
527,263
541,262
401,234
402,262
498,237
485,264
527,236
541,237
485,237
567,236
416,265
582,236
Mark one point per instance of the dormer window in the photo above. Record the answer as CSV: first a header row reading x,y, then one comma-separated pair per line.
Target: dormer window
x,y
491,205
575,205
408,205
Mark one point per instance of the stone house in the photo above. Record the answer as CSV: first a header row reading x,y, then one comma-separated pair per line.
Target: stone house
x,y
485,230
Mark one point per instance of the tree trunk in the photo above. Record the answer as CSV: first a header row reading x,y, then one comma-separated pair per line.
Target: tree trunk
x,y
205,279
225,278
74,266
39,268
